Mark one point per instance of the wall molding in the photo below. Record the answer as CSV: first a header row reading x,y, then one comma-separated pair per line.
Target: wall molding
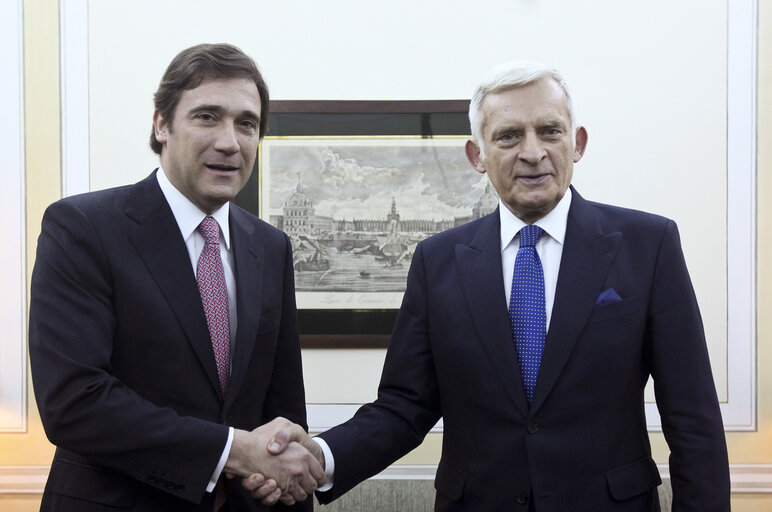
x,y
739,411
745,478
73,49
23,479
13,273
751,478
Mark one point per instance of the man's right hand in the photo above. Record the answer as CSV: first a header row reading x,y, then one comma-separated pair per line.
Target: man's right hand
x,y
295,470
265,490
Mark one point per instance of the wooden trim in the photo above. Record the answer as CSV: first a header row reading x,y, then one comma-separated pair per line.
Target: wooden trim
x,y
746,478
367,107
23,479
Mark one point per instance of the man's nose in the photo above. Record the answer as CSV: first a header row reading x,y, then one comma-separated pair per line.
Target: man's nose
x,y
227,141
532,149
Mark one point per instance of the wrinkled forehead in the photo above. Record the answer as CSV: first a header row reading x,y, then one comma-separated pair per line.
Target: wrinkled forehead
x,y
540,100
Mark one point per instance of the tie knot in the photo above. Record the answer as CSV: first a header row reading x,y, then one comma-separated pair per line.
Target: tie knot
x,y
529,235
210,230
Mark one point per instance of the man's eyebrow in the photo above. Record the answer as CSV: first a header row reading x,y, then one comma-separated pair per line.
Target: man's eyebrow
x,y
218,109
206,108
552,123
510,128
250,114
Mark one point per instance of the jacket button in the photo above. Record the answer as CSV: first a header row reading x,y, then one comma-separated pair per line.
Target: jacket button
x,y
532,428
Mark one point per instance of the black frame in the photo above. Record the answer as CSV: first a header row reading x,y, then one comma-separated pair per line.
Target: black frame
x,y
369,328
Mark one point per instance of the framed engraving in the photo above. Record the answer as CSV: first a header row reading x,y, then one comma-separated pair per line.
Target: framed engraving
x,y
356,185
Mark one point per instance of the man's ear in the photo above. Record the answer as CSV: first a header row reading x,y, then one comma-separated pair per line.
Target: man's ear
x,y
161,127
473,155
581,143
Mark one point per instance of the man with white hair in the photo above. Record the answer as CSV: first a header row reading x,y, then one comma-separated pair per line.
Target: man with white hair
x,y
532,333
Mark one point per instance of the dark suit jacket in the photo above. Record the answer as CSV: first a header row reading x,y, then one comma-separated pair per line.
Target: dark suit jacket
x,y
583,444
122,363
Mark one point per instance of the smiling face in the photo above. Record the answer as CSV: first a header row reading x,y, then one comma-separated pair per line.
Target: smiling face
x,y
530,149
209,152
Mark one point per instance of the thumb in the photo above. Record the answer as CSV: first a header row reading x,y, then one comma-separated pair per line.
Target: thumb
x,y
280,441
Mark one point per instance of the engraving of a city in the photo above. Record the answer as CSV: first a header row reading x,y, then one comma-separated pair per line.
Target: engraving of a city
x,y
355,209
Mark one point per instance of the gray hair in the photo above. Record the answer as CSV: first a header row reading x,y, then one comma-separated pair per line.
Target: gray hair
x,y
517,73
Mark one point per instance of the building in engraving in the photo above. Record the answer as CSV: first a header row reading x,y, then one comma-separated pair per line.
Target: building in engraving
x,y
298,213
486,204
299,218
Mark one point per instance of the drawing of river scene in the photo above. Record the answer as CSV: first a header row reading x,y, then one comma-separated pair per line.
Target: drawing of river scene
x,y
355,209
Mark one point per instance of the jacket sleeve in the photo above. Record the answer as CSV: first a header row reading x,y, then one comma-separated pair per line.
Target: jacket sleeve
x,y
684,386
84,407
408,404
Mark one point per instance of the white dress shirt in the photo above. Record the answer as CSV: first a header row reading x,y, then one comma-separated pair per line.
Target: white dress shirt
x,y
188,217
549,247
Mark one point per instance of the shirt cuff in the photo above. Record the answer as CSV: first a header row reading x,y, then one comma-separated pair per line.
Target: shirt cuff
x,y
329,464
223,459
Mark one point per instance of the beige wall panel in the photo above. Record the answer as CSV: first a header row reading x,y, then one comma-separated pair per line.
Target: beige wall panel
x,y
665,151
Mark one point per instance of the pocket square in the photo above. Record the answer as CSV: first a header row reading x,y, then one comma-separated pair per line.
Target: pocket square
x,y
608,297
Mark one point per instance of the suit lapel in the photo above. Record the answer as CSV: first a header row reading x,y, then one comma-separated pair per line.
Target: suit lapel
x,y
587,256
248,261
158,242
479,265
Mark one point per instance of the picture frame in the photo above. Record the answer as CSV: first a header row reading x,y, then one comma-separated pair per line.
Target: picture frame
x,y
355,134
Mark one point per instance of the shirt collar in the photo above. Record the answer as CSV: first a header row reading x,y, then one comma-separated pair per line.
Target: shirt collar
x,y
554,223
187,214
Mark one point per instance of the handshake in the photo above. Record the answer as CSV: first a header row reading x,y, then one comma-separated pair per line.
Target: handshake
x,y
277,462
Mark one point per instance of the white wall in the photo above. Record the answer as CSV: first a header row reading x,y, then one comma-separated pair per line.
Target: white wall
x,y
651,80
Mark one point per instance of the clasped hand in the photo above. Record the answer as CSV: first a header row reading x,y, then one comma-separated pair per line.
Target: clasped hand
x,y
292,474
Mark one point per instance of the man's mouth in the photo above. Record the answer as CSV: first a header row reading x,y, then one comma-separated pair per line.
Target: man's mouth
x,y
534,180
221,168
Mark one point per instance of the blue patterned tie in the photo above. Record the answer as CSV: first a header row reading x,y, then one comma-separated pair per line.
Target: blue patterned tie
x,y
526,308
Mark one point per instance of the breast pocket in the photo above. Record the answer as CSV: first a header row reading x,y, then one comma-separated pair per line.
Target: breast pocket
x,y
615,310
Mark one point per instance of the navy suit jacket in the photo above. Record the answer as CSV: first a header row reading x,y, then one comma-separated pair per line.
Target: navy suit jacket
x,y
122,363
582,445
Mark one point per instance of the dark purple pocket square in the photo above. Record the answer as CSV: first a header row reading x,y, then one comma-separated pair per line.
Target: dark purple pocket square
x,y
608,297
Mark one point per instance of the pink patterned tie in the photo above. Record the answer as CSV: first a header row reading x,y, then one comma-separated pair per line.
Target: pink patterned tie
x,y
214,295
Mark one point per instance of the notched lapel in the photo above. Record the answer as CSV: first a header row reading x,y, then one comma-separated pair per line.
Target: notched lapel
x,y
158,242
479,265
249,260
587,257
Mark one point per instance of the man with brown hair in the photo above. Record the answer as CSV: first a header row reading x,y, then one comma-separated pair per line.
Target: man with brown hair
x,y
163,330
